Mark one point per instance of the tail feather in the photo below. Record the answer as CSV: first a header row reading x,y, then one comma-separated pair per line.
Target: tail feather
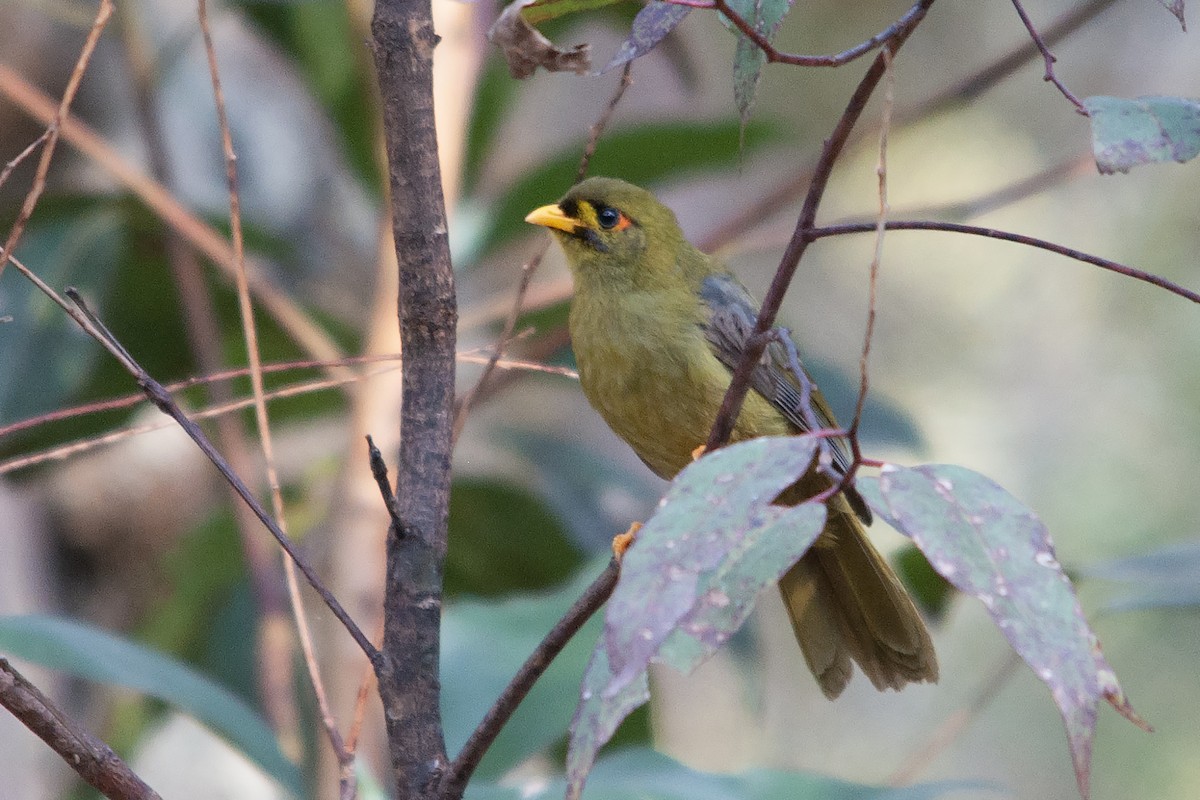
x,y
846,604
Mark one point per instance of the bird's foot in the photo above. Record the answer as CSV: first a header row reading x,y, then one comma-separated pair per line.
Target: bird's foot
x,y
622,541
699,451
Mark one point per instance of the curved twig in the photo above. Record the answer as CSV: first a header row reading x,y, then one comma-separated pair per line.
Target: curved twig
x,y
1016,238
898,29
595,596
1048,58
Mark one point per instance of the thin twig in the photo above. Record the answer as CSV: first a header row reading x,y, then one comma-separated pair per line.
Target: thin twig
x,y
21,156
864,383
898,29
601,124
768,203
476,393
460,770
163,400
952,728
1048,58
801,238
510,323
54,127
202,236
91,758
281,678
1017,238
379,472
60,452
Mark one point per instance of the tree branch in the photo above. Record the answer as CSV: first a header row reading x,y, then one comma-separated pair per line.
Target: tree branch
x,y
740,383
897,30
1017,238
95,761
769,202
408,671
161,398
1048,59
595,596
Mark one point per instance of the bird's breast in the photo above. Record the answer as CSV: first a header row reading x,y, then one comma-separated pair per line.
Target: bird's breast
x,y
649,371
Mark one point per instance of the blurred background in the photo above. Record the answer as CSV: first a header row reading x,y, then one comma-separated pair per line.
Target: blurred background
x,y
1073,388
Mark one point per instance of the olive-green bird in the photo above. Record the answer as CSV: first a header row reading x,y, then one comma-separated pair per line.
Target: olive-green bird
x,y
657,327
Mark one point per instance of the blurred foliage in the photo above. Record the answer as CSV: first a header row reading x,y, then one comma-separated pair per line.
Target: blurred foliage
x,y
519,527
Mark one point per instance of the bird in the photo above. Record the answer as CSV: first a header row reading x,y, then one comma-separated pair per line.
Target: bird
x,y
657,327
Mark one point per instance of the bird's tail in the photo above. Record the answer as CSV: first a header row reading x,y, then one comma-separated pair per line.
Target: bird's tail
x,y
846,604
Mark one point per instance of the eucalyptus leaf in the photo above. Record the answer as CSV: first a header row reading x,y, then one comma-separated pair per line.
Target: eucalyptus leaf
x,y
1126,133
990,546
692,577
650,26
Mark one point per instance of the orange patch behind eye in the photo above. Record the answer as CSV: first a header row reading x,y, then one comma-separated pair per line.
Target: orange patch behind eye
x,y
622,223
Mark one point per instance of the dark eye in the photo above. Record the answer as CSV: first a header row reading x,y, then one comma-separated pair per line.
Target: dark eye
x,y
608,217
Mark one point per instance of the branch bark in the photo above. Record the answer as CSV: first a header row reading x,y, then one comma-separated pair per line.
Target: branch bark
x,y
408,670
95,761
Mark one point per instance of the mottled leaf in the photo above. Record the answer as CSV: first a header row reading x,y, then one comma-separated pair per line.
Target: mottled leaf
x,y
1168,577
692,577
765,16
1176,8
990,546
650,26
601,709
526,49
1126,133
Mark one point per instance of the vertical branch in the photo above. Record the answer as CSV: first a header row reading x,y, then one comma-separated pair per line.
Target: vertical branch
x,y
408,671
864,381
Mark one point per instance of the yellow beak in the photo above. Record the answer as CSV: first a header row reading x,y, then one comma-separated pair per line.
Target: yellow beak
x,y
552,216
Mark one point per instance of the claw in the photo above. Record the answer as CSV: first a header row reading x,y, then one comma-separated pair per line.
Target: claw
x,y
699,451
622,541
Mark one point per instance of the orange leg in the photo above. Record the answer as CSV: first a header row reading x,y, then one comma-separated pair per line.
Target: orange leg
x,y
622,541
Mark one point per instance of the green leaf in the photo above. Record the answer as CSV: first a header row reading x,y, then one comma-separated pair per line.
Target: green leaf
x,y
43,356
641,773
1165,578
1126,133
650,26
1176,8
692,577
765,16
930,590
541,10
483,645
990,546
90,653
645,154
496,523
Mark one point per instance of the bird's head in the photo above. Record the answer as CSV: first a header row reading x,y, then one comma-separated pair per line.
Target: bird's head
x,y
616,232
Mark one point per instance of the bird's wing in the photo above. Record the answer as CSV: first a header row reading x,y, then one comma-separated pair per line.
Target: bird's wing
x,y
732,313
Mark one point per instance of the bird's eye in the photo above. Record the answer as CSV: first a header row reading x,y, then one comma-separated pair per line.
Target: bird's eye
x,y
608,217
